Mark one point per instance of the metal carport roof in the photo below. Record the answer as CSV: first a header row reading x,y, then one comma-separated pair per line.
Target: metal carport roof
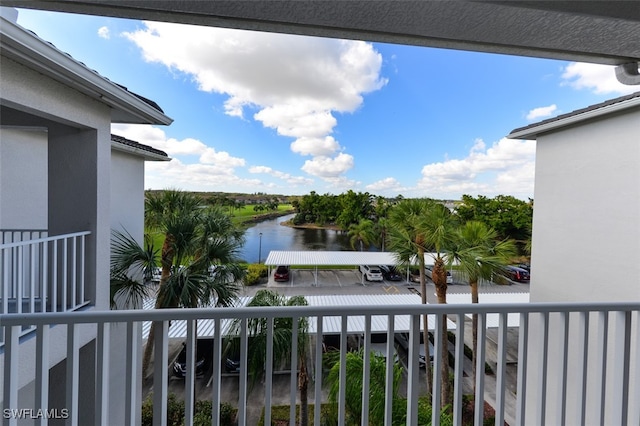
x,y
330,324
323,258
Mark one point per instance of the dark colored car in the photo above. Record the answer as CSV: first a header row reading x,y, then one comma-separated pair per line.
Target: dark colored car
x,y
390,273
204,351
281,273
231,365
517,274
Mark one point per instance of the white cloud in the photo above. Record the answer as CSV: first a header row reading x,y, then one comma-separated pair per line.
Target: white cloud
x,y
103,32
601,79
328,167
296,83
291,180
194,165
315,146
507,167
385,185
541,112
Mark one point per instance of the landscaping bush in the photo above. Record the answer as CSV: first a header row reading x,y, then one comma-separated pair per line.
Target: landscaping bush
x,y
201,417
256,272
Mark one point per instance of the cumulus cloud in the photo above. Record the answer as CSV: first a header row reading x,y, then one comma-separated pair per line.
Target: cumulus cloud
x,y
103,32
328,167
507,167
601,79
289,179
541,112
194,164
385,185
295,84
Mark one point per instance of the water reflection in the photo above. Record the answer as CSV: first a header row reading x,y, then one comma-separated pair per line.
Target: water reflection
x,y
279,237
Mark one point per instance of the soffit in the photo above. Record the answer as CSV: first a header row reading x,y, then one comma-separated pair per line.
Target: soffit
x,y
591,31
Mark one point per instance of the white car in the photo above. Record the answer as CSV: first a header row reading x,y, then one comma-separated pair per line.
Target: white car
x,y
428,270
371,272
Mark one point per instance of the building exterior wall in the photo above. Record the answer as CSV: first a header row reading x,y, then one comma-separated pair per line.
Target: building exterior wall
x,y
73,182
23,178
127,214
127,194
585,248
587,212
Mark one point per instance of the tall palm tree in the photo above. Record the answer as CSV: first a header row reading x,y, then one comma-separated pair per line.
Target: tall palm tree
x,y
440,228
408,239
381,229
282,335
480,255
195,238
361,233
430,225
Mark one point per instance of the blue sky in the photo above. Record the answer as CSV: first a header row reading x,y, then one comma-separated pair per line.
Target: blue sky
x,y
282,114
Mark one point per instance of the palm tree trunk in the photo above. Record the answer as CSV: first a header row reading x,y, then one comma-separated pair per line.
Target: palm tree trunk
x,y
167,261
425,324
303,385
439,276
474,330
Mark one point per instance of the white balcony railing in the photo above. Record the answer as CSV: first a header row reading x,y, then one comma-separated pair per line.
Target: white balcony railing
x,y
41,273
595,351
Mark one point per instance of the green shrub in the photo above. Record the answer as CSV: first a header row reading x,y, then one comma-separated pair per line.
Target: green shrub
x,y
252,278
175,412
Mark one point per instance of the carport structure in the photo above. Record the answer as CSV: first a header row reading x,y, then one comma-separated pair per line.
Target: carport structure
x,y
313,259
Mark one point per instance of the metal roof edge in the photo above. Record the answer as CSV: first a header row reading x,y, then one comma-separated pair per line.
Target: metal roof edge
x,y
147,155
532,131
50,61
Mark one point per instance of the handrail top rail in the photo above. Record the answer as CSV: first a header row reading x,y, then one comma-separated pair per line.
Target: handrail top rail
x,y
246,312
45,239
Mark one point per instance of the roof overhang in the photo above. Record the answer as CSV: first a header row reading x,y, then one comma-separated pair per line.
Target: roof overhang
x,y
23,47
146,155
590,31
531,132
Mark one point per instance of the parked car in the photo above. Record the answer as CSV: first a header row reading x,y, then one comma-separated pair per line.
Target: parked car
x,y
517,274
204,349
231,365
390,273
403,341
428,270
371,272
281,273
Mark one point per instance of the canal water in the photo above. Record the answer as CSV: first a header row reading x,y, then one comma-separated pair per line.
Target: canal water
x,y
271,235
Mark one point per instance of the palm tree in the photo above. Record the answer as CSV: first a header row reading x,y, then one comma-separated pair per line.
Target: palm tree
x,y
480,255
131,267
361,233
381,229
196,238
282,335
440,228
408,239
430,225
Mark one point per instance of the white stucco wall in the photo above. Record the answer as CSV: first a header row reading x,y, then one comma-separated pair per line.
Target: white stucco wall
x,y
23,178
586,220
586,246
127,214
127,193
77,189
